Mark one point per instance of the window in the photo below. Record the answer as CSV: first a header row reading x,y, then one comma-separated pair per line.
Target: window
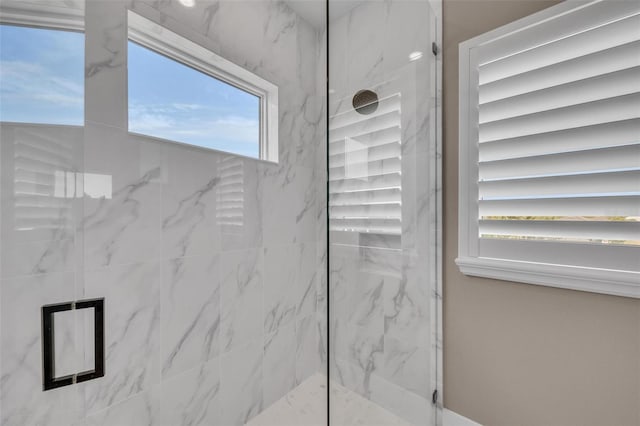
x,y
182,92
41,75
550,149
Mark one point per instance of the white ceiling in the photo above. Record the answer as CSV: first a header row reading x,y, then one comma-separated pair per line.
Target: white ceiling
x,y
314,10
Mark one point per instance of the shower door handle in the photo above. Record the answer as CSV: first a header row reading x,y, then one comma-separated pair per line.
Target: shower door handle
x,y
49,379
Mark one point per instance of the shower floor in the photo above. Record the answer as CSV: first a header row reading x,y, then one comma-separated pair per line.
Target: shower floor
x,y
306,405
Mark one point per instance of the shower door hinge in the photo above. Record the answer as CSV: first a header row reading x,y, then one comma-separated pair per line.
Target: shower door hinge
x,y
434,48
434,397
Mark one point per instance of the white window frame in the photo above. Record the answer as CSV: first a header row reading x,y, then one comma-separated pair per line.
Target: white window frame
x,y
166,42
621,282
41,16
182,50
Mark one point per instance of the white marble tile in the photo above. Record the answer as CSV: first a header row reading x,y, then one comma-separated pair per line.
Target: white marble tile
x,y
407,366
301,118
356,290
269,38
132,332
323,339
189,313
191,398
241,383
321,277
342,274
289,284
105,62
338,71
376,56
306,277
349,408
39,257
307,55
122,204
406,32
23,400
306,405
125,228
365,57
279,363
241,298
308,348
189,224
137,410
280,298
398,400
176,209
113,155
363,306
172,15
381,261
292,218
358,353
239,203
407,304
40,203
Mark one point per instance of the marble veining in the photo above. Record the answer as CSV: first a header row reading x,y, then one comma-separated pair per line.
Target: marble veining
x,y
132,341
215,309
23,401
241,383
110,222
190,312
241,279
189,214
383,325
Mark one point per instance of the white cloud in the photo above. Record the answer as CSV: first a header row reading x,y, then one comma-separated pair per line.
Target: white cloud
x,y
192,123
187,107
28,81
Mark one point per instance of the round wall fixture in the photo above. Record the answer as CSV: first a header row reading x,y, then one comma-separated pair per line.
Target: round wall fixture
x,y
365,102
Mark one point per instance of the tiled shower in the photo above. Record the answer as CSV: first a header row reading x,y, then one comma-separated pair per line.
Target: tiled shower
x,y
232,286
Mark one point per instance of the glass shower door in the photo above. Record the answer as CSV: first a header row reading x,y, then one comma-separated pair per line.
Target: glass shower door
x,y
383,213
41,165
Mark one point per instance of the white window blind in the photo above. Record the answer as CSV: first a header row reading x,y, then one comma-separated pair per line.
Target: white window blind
x,y
230,194
365,189
44,182
550,137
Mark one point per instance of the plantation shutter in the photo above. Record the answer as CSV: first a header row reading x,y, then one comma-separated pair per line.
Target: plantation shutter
x,y
230,194
44,179
558,136
364,170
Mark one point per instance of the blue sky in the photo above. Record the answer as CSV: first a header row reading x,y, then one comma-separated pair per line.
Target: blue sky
x,y
41,76
41,81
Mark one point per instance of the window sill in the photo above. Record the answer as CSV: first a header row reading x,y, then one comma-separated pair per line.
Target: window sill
x,y
187,145
605,281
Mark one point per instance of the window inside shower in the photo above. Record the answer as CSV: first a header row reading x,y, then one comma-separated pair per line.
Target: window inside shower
x,y
233,291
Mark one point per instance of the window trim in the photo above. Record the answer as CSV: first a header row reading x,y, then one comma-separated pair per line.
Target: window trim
x,y
41,16
144,32
172,45
599,280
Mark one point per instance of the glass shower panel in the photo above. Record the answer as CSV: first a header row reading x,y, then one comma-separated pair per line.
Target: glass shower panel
x,y
382,172
212,265
41,190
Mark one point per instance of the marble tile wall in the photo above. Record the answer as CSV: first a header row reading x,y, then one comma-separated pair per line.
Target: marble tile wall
x,y
383,296
211,310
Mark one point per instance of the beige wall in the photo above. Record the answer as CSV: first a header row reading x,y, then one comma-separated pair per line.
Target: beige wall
x,y
517,354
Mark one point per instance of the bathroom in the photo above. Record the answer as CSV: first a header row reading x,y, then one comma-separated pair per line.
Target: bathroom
x,y
268,212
